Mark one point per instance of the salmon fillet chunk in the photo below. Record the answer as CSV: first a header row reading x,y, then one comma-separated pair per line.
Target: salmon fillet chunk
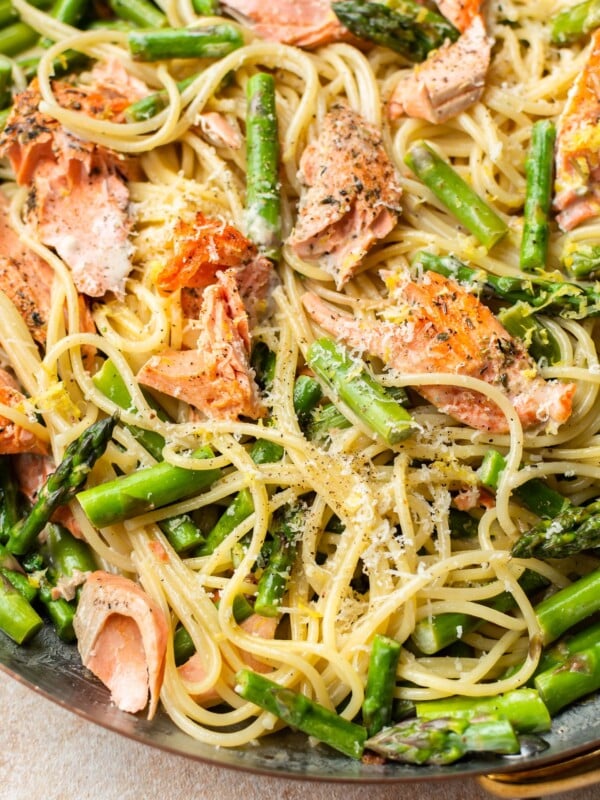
x,y
449,81
353,195
304,23
435,325
215,377
79,200
122,638
577,189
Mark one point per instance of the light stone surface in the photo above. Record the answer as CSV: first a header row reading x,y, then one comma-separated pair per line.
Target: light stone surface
x,y
48,753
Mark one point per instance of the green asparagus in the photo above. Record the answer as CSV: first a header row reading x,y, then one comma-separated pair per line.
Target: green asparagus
x,y
539,169
67,11
21,582
455,194
569,606
302,713
404,26
285,531
263,201
145,490
324,419
444,740
307,395
236,512
581,259
181,531
349,380
568,646
68,556
5,83
214,41
555,298
520,321
576,528
142,13
381,682
576,677
154,103
9,507
206,7
432,634
18,619
575,22
523,708
60,611
16,38
62,485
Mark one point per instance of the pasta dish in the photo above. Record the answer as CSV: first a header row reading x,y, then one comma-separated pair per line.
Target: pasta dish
x,y
327,295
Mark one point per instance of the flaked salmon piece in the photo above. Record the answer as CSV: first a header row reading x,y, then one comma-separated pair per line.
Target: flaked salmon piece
x,y
79,201
219,131
577,189
264,628
13,438
122,638
460,13
192,673
215,377
25,278
449,81
436,325
353,195
203,249
304,23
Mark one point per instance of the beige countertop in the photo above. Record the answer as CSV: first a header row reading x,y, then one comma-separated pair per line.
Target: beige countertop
x,y
48,753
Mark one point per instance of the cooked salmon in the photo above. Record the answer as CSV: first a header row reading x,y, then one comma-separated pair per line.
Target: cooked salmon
x,y
79,201
214,377
13,438
304,23
460,13
435,325
264,628
577,189
450,79
202,249
122,638
219,131
353,194
25,278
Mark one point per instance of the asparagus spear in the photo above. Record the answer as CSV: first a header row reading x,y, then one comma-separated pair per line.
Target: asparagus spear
x,y
65,62
18,619
272,584
581,259
307,395
539,168
523,708
8,13
381,681
575,22
214,41
236,512
349,379
149,106
16,38
142,13
9,509
575,529
404,26
207,8
576,677
67,555
67,11
302,713
520,321
558,298
445,740
570,605
263,202
181,531
130,495
458,197
5,83
63,484
324,419
432,634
